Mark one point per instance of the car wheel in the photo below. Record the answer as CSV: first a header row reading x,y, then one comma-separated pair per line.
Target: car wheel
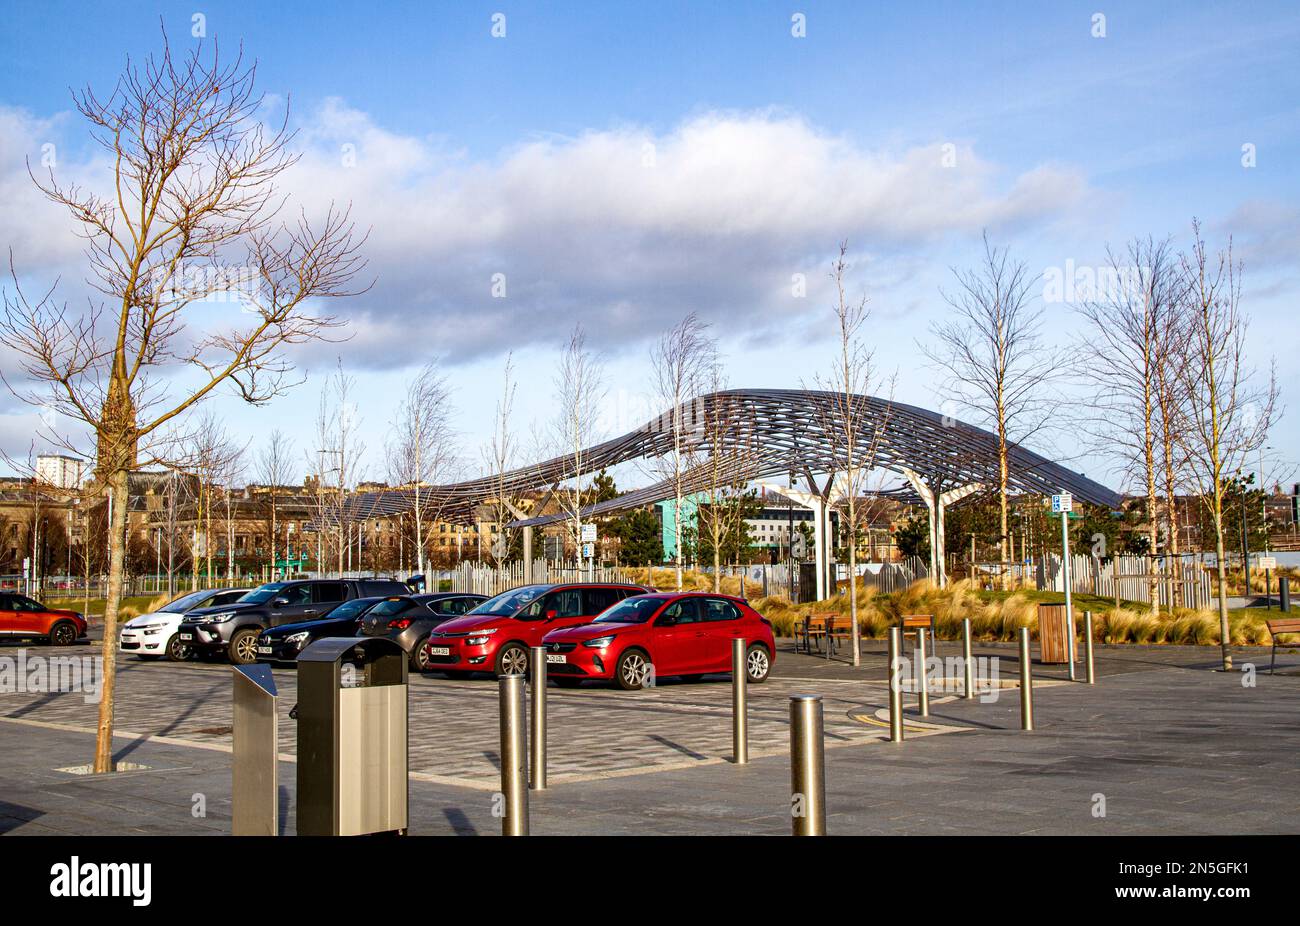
x,y
178,650
512,660
757,664
63,634
632,671
420,656
243,646
566,681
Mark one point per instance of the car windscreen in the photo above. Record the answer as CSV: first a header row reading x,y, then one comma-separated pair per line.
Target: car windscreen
x,y
186,602
391,606
507,603
631,611
263,593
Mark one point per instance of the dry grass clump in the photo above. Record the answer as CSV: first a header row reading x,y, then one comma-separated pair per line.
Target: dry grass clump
x,y
993,618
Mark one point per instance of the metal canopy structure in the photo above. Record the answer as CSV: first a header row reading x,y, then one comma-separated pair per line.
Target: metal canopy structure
x,y
763,433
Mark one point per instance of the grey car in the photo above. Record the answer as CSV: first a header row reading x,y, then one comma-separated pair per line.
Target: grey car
x,y
409,618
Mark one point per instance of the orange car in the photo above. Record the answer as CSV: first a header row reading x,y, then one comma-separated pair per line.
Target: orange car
x,y
21,617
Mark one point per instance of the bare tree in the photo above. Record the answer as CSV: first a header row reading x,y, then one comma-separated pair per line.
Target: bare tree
x,y
275,469
1229,413
212,457
339,455
423,447
579,391
722,457
680,362
994,360
854,435
194,174
499,454
1124,356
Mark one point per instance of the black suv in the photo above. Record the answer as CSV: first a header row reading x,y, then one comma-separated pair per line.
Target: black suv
x,y
233,629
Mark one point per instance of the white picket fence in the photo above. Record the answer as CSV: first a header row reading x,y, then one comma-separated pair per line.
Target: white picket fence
x,y
486,579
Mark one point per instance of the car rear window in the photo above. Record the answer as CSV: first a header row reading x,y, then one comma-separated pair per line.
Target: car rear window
x,y
719,609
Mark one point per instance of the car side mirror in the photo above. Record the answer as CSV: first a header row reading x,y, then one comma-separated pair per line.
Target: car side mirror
x,y
280,602
552,615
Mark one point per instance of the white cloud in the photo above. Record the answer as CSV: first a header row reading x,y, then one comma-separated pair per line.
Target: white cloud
x,y
624,228
620,228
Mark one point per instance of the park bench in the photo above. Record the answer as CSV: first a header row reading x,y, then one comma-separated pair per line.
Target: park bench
x,y
1277,628
827,626
916,624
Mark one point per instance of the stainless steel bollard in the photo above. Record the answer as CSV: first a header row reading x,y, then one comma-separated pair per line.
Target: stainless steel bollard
x,y
254,761
895,686
968,669
807,766
537,741
1087,648
922,688
739,705
514,750
1026,683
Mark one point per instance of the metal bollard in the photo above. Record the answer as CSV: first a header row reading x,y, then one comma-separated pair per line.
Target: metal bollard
x,y
514,750
968,670
922,688
807,766
1026,683
895,686
739,707
1087,648
537,742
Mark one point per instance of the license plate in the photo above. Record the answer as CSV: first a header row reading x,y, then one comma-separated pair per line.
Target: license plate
x,y
186,636
264,650
440,651
553,659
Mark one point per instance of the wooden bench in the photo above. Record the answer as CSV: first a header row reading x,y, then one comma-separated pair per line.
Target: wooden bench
x,y
1277,628
917,624
827,626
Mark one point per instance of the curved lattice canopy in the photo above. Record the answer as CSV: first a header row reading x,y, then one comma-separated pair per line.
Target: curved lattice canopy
x,y
748,434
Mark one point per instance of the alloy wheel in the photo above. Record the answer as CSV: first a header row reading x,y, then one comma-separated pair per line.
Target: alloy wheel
x,y
757,663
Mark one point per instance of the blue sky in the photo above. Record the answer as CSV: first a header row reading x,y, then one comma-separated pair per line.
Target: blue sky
x,y
478,155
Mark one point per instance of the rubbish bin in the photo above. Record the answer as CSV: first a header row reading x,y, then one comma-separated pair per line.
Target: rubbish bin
x,y
1053,634
352,737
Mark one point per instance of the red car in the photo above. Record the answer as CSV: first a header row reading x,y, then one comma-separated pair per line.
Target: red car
x,y
496,635
21,617
665,634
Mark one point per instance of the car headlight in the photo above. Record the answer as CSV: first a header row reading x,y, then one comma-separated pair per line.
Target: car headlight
x,y
599,642
153,631
218,618
479,637
297,639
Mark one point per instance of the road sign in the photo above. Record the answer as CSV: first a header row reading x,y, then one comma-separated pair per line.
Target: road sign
x,y
27,566
1266,562
588,549
588,533
1062,502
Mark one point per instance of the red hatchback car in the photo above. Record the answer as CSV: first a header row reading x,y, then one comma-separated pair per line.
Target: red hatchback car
x,y
21,617
661,634
495,636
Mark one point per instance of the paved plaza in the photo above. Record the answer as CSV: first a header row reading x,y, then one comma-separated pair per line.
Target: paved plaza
x,y
1162,744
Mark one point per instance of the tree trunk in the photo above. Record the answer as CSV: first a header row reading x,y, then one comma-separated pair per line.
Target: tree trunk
x,y
853,585
1223,593
108,649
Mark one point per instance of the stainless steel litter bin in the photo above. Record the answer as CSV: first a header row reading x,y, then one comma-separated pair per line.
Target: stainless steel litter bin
x,y
352,737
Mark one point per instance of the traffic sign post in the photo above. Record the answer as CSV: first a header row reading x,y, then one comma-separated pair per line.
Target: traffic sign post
x,y
1063,504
